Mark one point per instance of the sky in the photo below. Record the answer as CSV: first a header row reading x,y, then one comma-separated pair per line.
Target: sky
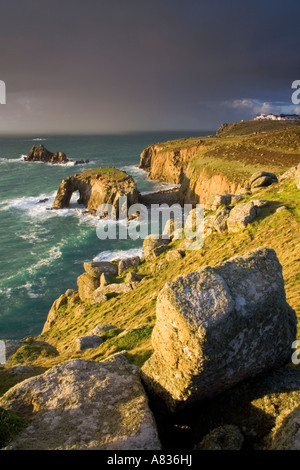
x,y
109,66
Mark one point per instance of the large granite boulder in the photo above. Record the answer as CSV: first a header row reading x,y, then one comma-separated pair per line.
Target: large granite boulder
x,y
215,326
87,342
84,405
261,179
96,268
127,263
98,187
241,215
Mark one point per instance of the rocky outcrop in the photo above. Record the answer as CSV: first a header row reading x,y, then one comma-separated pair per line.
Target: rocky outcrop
x,y
213,326
261,179
154,247
86,286
41,154
84,405
97,187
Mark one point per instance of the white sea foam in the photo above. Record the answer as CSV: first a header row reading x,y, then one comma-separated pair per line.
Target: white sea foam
x,y
38,138
119,254
12,160
53,254
30,293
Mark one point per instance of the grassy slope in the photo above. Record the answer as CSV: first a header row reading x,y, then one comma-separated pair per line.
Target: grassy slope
x,y
280,231
239,156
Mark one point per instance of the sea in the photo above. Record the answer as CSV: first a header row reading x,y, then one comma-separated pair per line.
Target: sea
x,y
42,251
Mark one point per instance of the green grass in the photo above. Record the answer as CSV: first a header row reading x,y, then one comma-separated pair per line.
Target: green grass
x,y
10,425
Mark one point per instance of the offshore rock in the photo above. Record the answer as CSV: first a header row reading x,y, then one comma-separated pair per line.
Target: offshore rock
x,y
100,186
41,154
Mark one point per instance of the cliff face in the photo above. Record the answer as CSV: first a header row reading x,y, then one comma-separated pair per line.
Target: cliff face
x,y
175,166
96,187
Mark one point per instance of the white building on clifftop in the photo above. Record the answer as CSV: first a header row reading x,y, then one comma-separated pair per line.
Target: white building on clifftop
x,y
275,117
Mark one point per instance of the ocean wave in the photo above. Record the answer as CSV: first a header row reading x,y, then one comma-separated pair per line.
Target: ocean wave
x,y
119,254
38,138
53,254
12,160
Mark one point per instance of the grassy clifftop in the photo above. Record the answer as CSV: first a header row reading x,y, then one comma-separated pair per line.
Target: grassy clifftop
x,y
233,155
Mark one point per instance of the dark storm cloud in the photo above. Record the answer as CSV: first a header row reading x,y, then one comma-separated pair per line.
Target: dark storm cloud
x,y
116,65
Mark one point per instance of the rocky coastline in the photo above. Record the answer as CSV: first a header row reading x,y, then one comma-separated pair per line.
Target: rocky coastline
x,y
177,349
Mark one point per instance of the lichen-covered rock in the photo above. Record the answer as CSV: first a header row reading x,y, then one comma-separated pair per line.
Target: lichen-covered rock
x,y
87,286
102,328
122,288
220,219
87,342
227,437
174,255
216,200
104,279
153,247
133,279
262,179
98,296
127,263
289,174
215,326
96,268
80,405
241,215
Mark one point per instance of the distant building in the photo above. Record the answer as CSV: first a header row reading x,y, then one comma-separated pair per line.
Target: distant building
x,y
275,117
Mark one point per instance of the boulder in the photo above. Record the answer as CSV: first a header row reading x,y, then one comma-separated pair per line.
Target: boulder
x,y
121,288
102,328
96,268
220,219
98,297
216,200
104,279
153,247
241,215
214,328
84,405
289,174
262,179
174,255
226,437
281,209
70,292
127,263
87,342
86,286
133,279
